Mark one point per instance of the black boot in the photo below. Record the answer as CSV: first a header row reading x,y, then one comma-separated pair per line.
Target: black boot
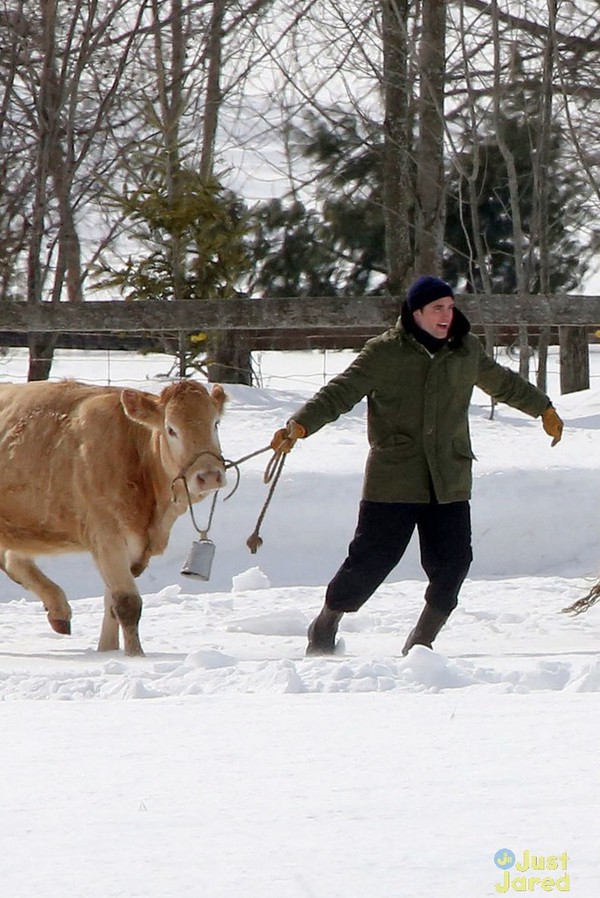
x,y
427,628
322,632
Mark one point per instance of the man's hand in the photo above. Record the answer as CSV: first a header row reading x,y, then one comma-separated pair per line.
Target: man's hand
x,y
285,438
552,424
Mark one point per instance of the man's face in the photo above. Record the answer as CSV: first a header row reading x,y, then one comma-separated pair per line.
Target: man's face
x,y
436,317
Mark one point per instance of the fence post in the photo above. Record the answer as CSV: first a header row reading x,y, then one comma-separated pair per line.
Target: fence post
x,y
574,359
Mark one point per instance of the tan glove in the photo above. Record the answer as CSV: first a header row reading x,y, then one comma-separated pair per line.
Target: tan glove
x,y
285,438
552,424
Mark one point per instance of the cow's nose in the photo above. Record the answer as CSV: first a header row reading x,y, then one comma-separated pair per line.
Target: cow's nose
x,y
210,480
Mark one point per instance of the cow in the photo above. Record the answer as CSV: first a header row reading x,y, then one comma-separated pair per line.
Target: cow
x,y
104,470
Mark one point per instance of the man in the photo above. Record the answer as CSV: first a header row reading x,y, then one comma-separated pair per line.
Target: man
x,y
418,378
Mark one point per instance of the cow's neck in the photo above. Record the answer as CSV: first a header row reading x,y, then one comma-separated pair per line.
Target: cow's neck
x,y
170,496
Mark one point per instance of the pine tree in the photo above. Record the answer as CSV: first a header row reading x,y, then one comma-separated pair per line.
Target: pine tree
x,y
207,226
336,246
568,257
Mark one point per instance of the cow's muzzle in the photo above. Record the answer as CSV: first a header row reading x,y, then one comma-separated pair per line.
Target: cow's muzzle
x,y
207,478
207,481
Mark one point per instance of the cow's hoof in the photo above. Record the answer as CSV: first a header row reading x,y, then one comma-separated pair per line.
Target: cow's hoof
x,y
60,626
134,652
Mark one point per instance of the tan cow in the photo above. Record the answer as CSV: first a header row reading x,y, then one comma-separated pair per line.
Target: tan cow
x,y
100,469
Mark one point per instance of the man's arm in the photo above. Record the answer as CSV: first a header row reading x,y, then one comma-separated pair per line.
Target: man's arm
x,y
507,386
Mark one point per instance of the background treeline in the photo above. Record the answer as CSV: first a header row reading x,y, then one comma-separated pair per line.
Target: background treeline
x,y
158,149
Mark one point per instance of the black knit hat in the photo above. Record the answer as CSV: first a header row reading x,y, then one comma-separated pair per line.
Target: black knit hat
x,y
426,289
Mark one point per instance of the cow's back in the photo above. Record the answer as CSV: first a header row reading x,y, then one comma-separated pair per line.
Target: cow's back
x,y
63,449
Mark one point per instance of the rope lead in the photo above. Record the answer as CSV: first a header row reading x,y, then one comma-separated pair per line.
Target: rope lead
x,y
586,602
271,475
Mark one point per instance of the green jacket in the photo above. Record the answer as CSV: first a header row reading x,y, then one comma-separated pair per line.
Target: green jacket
x,y
418,405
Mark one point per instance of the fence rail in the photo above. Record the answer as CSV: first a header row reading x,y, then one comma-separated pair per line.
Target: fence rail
x,y
318,314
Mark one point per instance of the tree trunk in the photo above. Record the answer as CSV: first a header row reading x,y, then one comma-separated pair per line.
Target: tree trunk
x,y
490,347
429,244
213,100
397,164
574,359
52,163
518,236
41,355
524,351
229,361
60,163
542,372
541,215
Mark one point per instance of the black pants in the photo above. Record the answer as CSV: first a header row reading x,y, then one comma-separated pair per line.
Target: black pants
x,y
382,535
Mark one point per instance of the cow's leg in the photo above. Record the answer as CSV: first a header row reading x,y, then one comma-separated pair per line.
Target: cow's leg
x,y
122,600
122,607
127,606
24,571
109,634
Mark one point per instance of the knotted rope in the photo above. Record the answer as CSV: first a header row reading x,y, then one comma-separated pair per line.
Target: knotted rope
x,y
271,475
585,602
181,476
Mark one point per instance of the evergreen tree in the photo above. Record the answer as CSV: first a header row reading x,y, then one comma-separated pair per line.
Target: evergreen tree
x,y
210,222
569,255
205,228
337,247
292,251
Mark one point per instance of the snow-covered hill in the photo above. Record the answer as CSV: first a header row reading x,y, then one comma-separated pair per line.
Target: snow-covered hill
x,y
252,770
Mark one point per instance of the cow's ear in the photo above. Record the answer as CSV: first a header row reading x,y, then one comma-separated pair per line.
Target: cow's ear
x,y
219,396
141,407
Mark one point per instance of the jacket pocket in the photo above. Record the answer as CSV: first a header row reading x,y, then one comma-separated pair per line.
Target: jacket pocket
x,y
463,449
398,445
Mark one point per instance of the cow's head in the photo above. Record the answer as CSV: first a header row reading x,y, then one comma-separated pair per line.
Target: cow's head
x,y
185,417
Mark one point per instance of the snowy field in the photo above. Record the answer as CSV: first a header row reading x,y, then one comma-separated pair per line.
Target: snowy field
x,y
226,764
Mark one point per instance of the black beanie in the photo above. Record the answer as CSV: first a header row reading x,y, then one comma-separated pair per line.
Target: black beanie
x,y
426,289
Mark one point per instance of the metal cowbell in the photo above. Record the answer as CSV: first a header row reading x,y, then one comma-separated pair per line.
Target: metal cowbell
x,y
199,560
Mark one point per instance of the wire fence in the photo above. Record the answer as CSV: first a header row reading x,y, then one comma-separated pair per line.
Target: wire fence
x,y
298,369
290,369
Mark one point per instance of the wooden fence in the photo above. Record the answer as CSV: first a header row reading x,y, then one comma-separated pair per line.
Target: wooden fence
x,y
260,316
293,323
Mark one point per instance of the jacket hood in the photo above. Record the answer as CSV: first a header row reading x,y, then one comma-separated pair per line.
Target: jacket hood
x,y
459,328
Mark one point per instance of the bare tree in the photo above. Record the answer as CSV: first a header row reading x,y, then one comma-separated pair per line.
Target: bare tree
x,y
548,52
94,96
398,164
186,84
430,155
53,163
541,162
58,90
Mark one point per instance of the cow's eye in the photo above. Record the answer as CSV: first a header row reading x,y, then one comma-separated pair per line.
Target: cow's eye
x,y
171,431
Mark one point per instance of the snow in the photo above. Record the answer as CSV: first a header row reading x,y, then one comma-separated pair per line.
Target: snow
x,y
226,763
